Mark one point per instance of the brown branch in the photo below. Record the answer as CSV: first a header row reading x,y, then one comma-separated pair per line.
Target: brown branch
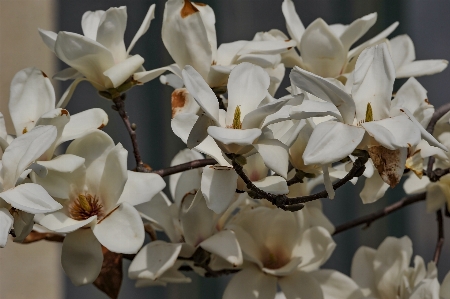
x,y
184,167
440,241
368,219
35,236
296,203
119,106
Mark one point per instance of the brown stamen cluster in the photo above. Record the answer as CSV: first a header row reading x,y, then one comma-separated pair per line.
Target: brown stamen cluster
x,y
85,206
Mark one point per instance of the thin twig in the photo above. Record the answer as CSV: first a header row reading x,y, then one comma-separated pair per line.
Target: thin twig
x,y
297,203
184,167
368,219
440,241
35,236
119,106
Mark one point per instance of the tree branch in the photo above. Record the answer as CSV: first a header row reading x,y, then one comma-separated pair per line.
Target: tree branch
x,y
35,236
184,167
119,106
440,241
368,219
296,203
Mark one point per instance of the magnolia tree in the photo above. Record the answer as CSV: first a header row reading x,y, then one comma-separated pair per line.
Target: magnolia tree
x,y
241,194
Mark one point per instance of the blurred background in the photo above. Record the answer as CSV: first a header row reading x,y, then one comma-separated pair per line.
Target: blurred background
x,y
34,271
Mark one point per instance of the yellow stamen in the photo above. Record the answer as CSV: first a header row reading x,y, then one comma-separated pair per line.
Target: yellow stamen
x,y
84,203
369,113
237,118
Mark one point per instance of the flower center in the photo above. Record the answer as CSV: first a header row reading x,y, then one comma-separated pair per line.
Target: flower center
x,y
85,206
275,260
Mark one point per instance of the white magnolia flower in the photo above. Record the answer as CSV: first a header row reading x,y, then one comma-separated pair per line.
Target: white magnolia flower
x,y
98,205
99,56
391,129
241,129
278,248
385,273
20,199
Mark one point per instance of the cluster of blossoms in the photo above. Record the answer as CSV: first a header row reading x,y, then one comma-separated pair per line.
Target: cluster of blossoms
x,y
242,198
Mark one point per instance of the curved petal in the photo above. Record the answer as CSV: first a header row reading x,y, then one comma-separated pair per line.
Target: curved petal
x,y
362,271
141,187
273,184
336,285
274,154
183,156
23,225
311,108
146,76
301,285
153,260
402,50
85,55
293,23
81,257
114,177
331,141
199,131
67,74
225,245
357,29
67,95
209,21
6,224
188,182
437,195
123,70
247,87
326,91
111,30
61,223
373,83
49,38
234,140
394,132
185,36
31,96
121,231
182,101
202,93
90,22
30,198
322,52
218,186
83,123
143,28
316,246
270,47
422,68
374,189
251,283
58,118
23,151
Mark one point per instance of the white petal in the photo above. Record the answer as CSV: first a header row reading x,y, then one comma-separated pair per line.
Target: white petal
x,y
362,270
218,186
185,36
251,283
273,184
327,181
183,156
445,287
61,223
65,173
415,185
391,260
85,55
275,155
23,225
437,195
422,68
315,248
234,137
262,60
227,52
300,285
123,70
311,108
390,164
67,74
247,87
402,51
146,76
31,96
81,257
67,95
111,30
293,23
322,52
182,101
83,123
373,82
225,245
199,131
23,151
90,22
121,231
187,182
336,285
143,28
325,90
6,223
357,29
30,198
171,80
271,47
58,118
153,260
374,189
141,187
332,141
48,37
394,132
202,93
114,178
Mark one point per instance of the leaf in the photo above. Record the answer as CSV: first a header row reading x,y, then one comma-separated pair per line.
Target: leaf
x,y
110,278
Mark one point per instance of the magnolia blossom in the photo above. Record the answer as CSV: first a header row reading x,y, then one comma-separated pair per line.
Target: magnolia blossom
x,y
99,56
19,198
98,205
385,273
391,128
